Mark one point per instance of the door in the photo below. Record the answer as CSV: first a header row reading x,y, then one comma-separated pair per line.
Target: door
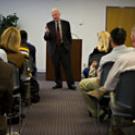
x,y
121,17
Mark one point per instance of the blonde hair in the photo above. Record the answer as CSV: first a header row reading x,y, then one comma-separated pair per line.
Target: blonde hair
x,y
103,41
11,39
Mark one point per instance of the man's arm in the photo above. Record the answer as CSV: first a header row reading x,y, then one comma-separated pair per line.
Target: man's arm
x,y
99,70
47,35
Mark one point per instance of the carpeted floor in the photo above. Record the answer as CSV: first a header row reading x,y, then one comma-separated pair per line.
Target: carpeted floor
x,y
60,112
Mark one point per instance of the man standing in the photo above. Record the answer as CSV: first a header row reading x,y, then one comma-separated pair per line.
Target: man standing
x,y
58,37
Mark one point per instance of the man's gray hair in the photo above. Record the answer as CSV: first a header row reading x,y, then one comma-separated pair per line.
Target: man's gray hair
x,y
55,9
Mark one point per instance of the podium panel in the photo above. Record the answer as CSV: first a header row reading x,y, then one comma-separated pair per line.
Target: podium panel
x,y
76,56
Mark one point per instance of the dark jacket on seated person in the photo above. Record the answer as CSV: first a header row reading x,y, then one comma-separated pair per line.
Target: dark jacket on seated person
x,y
96,55
32,49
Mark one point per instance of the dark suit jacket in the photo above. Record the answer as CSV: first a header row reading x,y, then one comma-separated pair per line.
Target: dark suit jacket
x,y
51,36
32,52
6,86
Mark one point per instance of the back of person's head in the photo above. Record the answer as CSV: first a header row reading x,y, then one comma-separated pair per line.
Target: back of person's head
x,y
118,36
24,35
10,39
103,41
24,48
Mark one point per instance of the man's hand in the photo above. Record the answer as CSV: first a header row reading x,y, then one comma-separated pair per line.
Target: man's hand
x,y
47,29
97,93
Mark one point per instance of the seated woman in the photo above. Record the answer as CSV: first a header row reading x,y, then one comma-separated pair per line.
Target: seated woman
x,y
10,42
102,48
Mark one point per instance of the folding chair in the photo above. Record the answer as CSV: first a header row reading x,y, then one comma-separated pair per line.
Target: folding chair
x,y
104,101
16,111
123,101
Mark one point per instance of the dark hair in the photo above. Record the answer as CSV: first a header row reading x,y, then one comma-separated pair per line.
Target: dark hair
x,y
24,35
118,36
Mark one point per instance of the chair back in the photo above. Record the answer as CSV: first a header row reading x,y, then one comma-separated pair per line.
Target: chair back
x,y
125,91
105,70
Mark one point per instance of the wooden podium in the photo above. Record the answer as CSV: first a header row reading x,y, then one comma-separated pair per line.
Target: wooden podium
x,y
76,56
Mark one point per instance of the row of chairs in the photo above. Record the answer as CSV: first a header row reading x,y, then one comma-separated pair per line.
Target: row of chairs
x,y
119,104
15,115
123,98
123,101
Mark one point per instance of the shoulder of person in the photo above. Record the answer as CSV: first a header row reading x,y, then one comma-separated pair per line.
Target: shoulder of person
x,y
31,46
95,51
131,48
51,22
2,50
64,21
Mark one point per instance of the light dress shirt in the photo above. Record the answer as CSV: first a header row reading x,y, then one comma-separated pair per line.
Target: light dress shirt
x,y
125,62
113,55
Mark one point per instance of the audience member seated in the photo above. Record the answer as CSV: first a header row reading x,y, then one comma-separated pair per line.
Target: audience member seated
x,y
28,48
126,64
101,49
10,42
118,37
122,64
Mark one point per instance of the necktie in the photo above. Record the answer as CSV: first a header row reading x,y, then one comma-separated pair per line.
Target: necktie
x,y
58,38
